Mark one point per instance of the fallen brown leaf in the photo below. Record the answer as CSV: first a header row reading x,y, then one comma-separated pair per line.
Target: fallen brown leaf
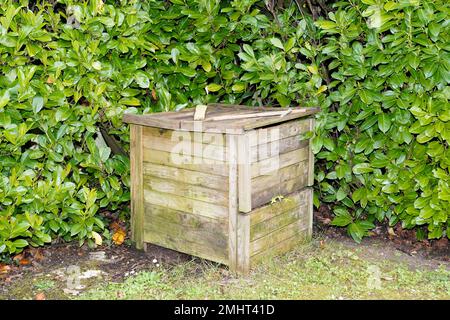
x,y
24,262
119,237
4,268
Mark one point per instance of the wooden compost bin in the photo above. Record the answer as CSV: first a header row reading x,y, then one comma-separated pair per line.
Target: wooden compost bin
x,y
232,188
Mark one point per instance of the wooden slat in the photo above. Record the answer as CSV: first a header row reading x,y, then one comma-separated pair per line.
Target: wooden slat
x,y
285,187
275,163
299,213
181,241
209,138
184,204
186,190
233,202
196,178
271,210
185,219
185,146
273,120
186,162
244,173
208,235
273,179
137,199
147,120
277,249
276,236
270,149
281,131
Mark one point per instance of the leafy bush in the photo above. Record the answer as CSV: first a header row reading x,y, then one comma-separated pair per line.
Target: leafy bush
x,y
383,144
71,69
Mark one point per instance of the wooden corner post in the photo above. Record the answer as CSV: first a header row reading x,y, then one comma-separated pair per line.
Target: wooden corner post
x,y
136,185
311,155
232,144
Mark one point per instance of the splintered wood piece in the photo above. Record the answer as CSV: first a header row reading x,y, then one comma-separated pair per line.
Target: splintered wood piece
x,y
200,112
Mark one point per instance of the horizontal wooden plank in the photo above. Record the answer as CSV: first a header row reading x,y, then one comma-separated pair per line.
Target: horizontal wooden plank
x,y
186,190
279,131
180,203
293,171
211,181
275,163
300,214
276,236
282,188
267,150
184,144
197,137
269,211
183,244
185,219
277,249
186,162
148,120
275,120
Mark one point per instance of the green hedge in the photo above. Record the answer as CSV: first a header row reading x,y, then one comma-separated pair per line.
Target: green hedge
x,y
383,144
71,69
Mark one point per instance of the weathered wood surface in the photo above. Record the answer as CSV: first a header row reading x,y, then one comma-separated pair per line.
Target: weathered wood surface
x,y
195,178
277,236
209,138
311,155
180,203
280,131
277,162
186,233
310,201
137,199
186,162
244,173
299,213
233,203
282,188
187,146
186,190
269,211
184,120
277,249
270,149
243,243
276,228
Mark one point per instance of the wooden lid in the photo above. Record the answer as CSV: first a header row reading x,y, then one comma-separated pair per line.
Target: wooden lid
x,y
220,118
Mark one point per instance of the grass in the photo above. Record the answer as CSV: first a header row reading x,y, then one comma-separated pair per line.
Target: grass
x,y
313,271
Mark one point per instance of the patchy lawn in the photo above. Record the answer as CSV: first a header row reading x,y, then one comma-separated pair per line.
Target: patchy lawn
x,y
322,269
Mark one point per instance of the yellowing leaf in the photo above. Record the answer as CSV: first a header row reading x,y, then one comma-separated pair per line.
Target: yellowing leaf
x,y
321,89
313,69
213,87
97,238
325,24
